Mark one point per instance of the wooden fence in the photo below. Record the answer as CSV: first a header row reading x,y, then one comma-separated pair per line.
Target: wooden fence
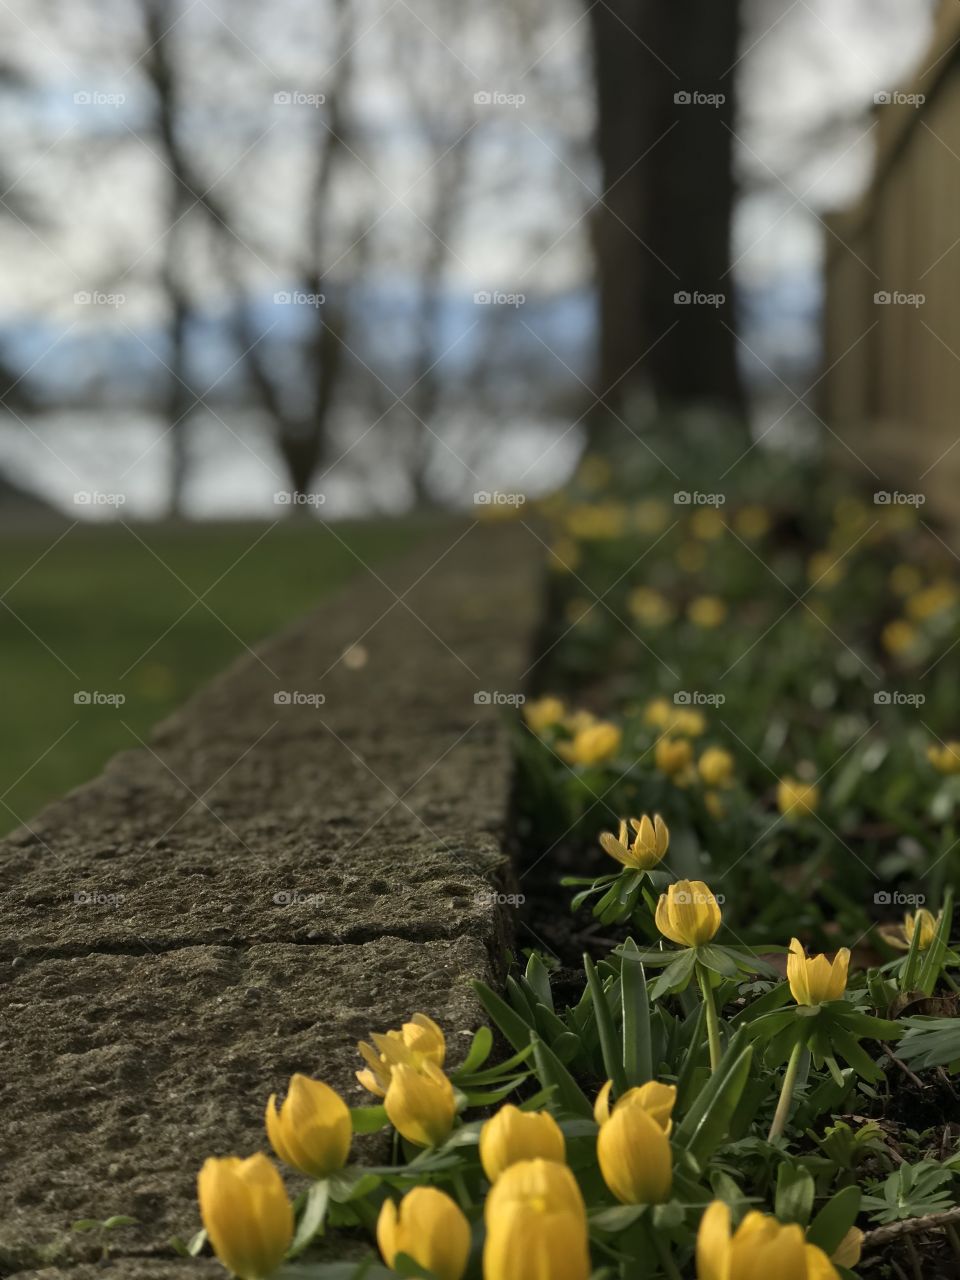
x,y
892,314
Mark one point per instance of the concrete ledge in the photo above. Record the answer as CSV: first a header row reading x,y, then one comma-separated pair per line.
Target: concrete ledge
x,y
253,891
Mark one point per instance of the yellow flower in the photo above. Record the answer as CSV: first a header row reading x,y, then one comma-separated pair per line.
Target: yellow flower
x,y
600,520
513,1135
816,981
650,515
847,1252
592,745
650,843
661,713
649,607
706,611
536,1224
825,569
656,1099
905,580
795,799
633,1152
312,1129
544,713
428,1227
420,1104
688,913
707,524
716,767
672,756
247,1214
564,555
419,1040
691,557
946,758
901,935
714,805
658,712
760,1247
899,637
932,600
752,522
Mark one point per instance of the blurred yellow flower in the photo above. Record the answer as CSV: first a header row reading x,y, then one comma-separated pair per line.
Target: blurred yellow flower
x,y
650,607
592,745
672,756
246,1213
564,555
901,935
716,767
691,557
715,805
752,522
513,1135
930,601
633,1152
420,1104
707,524
650,843
596,520
825,569
657,1100
816,981
536,1224
428,1227
796,799
312,1129
847,1252
706,611
688,914
651,515
544,713
945,758
664,714
899,637
905,580
419,1040
761,1247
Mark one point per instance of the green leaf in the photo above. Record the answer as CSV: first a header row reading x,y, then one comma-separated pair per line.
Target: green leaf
x,y
479,1052
551,1071
120,1220
676,975
635,1009
368,1119
933,959
311,1220
515,1028
707,1122
795,1192
610,1045
539,979
835,1219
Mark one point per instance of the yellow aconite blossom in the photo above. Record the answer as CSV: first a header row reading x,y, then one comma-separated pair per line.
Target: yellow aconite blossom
x,y
707,524
759,1249
691,557
543,713
312,1129
650,607
688,913
656,1099
419,1040
564,555
899,636
650,843
901,935
599,520
714,805
716,767
661,713
428,1227
536,1224
592,745
847,1252
673,756
420,1104
633,1152
932,600
246,1213
752,522
795,799
905,580
706,611
945,759
512,1135
650,515
816,981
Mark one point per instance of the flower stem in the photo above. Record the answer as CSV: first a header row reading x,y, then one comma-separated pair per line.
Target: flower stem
x,y
786,1092
665,1255
713,1021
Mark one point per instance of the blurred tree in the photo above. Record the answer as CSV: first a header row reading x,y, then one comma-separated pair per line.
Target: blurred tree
x,y
665,98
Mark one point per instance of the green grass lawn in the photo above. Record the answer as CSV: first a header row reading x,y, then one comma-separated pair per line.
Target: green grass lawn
x,y
80,609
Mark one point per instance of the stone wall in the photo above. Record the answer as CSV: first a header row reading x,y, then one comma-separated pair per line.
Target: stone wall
x,y
258,887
